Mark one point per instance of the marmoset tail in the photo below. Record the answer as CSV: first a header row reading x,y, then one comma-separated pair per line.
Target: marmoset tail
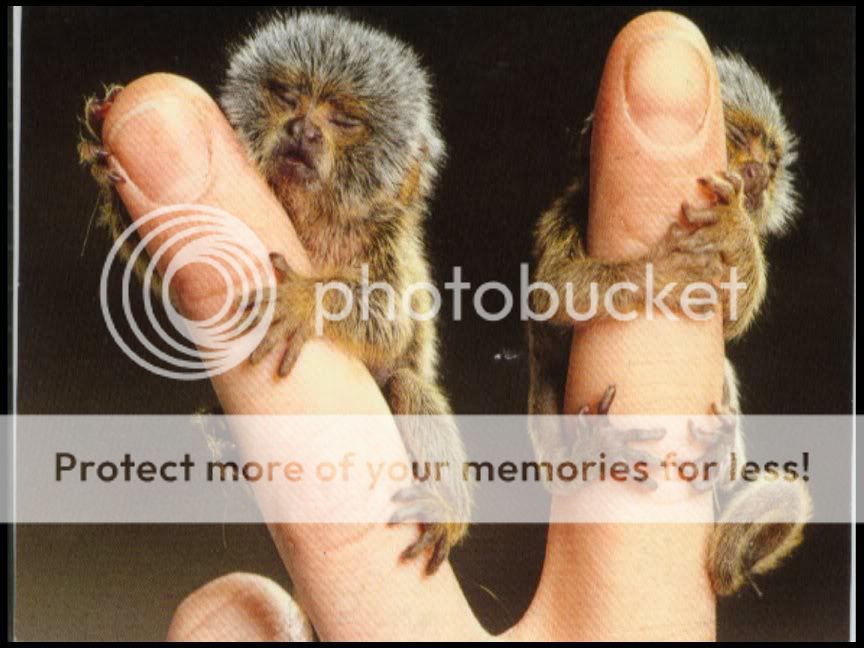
x,y
738,551
339,119
754,198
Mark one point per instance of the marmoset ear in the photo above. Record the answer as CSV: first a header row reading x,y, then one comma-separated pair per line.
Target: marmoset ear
x,y
410,189
430,157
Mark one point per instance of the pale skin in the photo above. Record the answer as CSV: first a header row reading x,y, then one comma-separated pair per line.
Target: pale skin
x,y
348,578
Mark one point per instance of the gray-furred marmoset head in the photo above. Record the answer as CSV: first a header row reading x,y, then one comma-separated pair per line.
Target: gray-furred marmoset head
x,y
759,144
334,110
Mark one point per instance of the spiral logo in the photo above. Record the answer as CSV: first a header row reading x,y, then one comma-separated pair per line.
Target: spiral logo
x,y
195,235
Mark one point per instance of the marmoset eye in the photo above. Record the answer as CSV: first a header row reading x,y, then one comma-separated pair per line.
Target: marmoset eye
x,y
284,94
345,122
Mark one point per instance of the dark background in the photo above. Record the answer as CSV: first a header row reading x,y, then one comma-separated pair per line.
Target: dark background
x,y
513,87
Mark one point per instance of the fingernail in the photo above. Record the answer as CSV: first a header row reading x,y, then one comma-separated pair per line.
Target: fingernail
x,y
163,148
667,88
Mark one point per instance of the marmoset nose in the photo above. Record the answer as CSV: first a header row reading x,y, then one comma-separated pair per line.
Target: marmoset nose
x,y
304,131
755,177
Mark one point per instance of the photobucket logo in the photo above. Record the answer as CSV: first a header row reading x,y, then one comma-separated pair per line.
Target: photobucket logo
x,y
194,235
380,300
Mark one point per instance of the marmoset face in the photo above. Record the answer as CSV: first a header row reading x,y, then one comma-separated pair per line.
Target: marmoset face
x,y
309,134
759,145
755,155
332,107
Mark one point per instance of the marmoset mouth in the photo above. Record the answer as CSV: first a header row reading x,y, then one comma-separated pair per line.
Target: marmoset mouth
x,y
295,162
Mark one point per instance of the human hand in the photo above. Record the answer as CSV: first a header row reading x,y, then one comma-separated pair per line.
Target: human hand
x,y
172,145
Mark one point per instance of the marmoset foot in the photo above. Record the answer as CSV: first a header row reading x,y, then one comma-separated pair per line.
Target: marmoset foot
x,y
90,149
720,442
438,529
596,438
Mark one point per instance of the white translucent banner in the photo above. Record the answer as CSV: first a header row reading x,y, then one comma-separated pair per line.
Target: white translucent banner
x,y
121,469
